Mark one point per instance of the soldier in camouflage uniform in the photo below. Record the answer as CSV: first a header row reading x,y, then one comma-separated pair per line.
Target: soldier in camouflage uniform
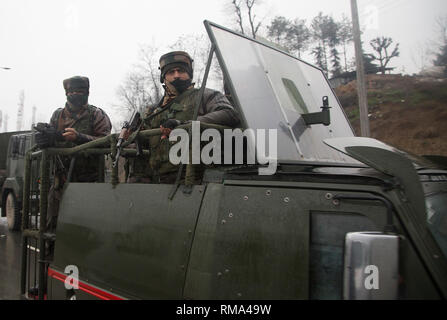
x,y
79,123
176,107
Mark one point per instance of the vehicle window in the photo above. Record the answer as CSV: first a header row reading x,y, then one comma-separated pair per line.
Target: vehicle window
x,y
22,146
327,237
436,205
15,147
295,96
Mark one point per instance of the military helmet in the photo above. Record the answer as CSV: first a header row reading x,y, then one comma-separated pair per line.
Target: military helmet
x,y
76,82
175,59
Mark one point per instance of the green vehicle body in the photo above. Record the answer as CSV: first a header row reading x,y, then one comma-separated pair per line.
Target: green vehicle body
x,y
241,235
13,147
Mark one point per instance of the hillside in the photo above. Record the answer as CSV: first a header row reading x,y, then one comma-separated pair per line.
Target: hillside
x,y
407,112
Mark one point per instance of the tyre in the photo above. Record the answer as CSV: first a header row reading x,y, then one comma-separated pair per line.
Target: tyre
x,y
13,215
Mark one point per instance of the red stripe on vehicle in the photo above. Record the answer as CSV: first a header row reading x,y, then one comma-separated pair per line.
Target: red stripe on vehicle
x,y
103,295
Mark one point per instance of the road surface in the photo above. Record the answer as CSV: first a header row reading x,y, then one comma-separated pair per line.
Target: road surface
x,y
10,256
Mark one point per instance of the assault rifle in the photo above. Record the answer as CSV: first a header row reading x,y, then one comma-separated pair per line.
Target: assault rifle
x,y
128,127
47,135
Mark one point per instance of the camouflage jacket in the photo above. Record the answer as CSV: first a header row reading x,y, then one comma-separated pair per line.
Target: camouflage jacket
x,y
91,123
215,108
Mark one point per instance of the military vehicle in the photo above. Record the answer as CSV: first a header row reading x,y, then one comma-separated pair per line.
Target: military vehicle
x,y
13,146
341,217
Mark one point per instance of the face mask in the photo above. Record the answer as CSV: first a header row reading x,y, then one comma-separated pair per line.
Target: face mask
x,y
77,100
181,85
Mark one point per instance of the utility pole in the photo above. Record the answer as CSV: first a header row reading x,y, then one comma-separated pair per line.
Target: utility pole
x,y
6,122
20,110
1,119
361,84
33,119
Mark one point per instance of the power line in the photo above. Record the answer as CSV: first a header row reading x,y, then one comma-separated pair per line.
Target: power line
x,y
380,4
395,5
386,7
388,4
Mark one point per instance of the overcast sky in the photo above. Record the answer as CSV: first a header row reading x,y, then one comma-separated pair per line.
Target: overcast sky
x,y
46,41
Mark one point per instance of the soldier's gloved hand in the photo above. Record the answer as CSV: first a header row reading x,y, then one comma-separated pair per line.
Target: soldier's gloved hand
x,y
46,135
58,136
171,123
167,127
42,140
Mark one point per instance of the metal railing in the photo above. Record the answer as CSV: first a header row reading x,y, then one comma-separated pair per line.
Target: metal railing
x,y
35,236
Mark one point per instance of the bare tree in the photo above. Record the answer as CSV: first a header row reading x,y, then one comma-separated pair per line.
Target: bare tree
x,y
440,29
238,11
252,16
441,54
132,93
381,46
277,31
420,55
247,8
149,67
298,36
322,32
346,36
334,41
141,86
441,26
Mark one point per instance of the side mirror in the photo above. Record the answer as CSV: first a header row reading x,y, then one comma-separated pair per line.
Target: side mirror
x,y
371,266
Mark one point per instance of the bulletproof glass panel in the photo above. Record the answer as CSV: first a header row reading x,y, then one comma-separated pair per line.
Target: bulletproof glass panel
x,y
272,90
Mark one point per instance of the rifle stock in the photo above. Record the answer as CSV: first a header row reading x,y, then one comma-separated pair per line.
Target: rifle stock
x,y
128,127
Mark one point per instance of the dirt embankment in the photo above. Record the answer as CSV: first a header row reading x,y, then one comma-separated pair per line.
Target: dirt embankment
x,y
407,112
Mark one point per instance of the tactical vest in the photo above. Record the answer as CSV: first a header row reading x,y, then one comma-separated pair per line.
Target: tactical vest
x,y
181,108
86,167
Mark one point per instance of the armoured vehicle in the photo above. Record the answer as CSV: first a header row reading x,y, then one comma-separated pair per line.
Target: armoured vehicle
x,y
339,217
13,146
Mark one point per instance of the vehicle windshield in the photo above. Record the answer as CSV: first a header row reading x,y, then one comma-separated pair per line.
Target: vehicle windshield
x,y
436,205
273,89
